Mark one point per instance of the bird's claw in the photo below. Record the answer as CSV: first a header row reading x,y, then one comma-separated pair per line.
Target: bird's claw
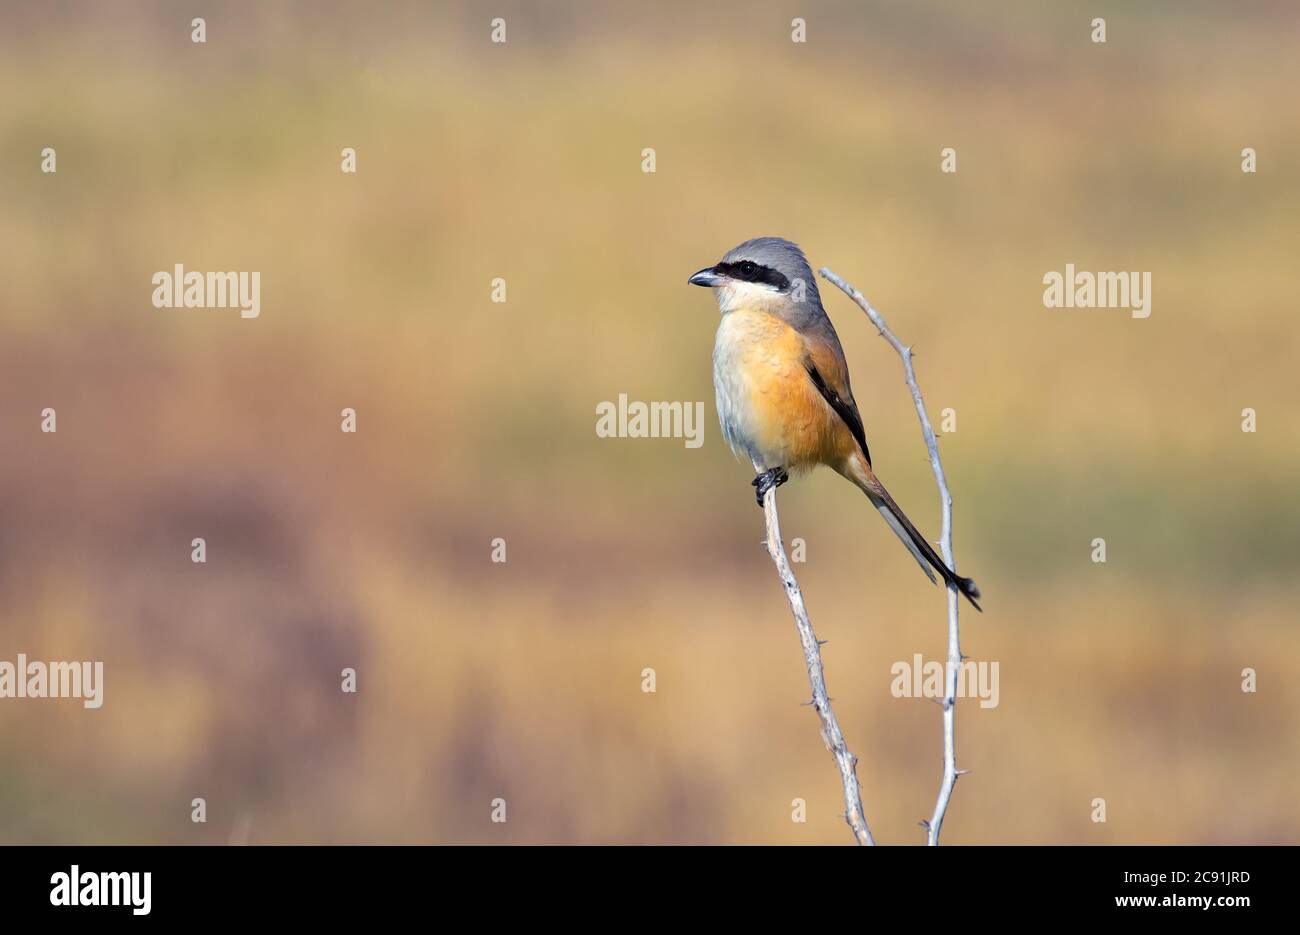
x,y
772,477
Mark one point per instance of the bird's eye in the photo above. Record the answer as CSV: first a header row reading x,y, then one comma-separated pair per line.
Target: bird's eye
x,y
748,269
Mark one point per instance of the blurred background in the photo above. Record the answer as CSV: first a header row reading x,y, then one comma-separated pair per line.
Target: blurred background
x,y
476,420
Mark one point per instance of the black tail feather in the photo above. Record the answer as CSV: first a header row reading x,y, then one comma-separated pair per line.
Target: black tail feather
x,y
965,586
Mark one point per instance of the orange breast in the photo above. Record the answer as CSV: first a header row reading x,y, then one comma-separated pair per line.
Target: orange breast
x,y
787,418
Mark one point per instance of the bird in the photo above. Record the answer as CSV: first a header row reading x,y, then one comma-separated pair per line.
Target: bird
x,y
782,384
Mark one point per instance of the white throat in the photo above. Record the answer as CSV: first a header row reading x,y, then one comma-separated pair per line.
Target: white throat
x,y
740,294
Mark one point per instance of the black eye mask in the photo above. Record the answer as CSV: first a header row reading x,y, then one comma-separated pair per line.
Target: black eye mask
x,y
749,271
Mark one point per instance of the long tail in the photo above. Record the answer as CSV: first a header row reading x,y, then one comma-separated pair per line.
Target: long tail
x,y
862,475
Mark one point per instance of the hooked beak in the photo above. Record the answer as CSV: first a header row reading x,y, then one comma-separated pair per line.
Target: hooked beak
x,y
707,277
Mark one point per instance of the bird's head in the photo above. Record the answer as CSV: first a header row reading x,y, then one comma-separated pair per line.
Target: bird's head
x,y
765,271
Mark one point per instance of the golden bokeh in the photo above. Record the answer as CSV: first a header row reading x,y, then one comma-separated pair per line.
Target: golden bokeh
x,y
476,420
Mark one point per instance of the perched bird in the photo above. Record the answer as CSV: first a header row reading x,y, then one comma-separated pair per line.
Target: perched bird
x,y
782,383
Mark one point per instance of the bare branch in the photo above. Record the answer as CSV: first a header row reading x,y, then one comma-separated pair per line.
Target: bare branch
x,y
950,771
812,658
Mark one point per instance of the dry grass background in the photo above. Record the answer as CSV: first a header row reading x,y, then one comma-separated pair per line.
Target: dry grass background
x,y
476,420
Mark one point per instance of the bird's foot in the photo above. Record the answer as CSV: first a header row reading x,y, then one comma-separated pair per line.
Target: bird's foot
x,y
772,477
